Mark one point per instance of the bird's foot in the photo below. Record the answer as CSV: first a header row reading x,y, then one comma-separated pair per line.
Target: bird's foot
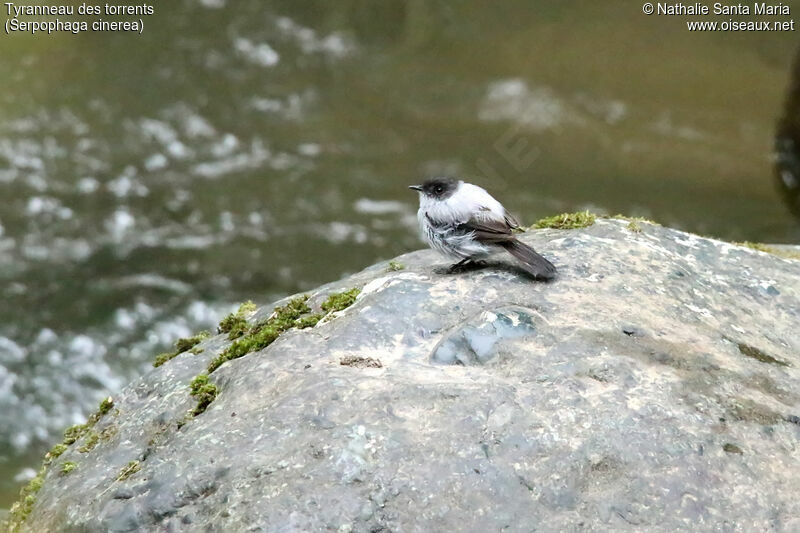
x,y
465,265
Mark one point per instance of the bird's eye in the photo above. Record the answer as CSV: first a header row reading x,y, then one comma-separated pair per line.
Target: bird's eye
x,y
439,189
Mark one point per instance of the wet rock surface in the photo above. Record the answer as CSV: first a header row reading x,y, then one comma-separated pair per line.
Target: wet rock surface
x,y
653,385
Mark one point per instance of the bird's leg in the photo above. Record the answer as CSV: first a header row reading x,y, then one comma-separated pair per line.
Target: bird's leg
x,y
460,266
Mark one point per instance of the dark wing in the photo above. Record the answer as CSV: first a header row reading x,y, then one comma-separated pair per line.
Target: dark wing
x,y
493,231
532,262
512,222
488,230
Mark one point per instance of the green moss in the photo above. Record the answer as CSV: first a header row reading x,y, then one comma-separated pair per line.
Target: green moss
x,y
774,250
163,358
249,343
197,383
264,333
105,405
181,345
68,467
73,433
394,266
340,300
235,324
23,507
567,221
238,327
55,451
294,314
27,498
585,218
129,470
247,308
196,350
205,392
91,441
309,321
286,314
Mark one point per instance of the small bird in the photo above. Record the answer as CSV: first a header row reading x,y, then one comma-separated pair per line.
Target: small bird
x,y
463,221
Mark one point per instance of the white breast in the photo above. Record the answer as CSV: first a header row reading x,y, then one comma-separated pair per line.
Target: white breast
x,y
469,201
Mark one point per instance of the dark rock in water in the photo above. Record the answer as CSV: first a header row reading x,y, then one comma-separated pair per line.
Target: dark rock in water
x,y
621,396
787,144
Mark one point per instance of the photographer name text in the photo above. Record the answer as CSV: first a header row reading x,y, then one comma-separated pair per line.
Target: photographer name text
x,y
718,8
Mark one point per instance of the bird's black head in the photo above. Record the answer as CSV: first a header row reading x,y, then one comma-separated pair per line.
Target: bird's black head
x,y
440,188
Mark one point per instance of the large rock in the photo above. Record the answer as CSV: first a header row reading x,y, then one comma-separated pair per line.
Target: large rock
x,y
654,384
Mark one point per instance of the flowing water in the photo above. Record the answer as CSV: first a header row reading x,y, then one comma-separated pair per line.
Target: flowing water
x,y
248,150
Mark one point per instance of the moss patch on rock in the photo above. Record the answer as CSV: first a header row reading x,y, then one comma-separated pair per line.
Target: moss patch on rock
x,y
204,391
584,219
581,219
27,497
394,266
264,333
294,314
235,324
340,300
56,450
163,358
184,345
181,345
634,227
105,405
91,441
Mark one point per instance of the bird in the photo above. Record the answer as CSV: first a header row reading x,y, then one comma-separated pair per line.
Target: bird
x,y
464,222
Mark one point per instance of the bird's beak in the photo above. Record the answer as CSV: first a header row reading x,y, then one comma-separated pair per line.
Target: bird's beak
x,y
415,187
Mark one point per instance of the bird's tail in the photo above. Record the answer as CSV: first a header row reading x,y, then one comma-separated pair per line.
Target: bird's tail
x,y
533,263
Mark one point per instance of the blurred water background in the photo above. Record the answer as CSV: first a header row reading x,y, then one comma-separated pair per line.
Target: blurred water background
x,y
248,150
